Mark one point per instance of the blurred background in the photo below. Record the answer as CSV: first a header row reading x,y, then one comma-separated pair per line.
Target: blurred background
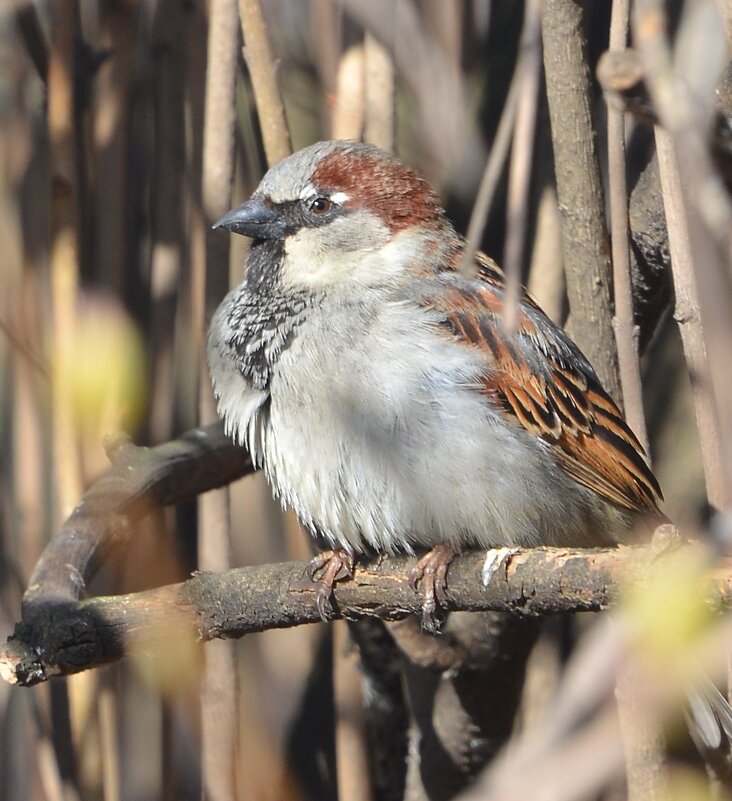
x,y
109,272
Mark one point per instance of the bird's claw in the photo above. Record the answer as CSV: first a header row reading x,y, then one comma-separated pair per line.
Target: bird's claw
x,y
431,571
325,570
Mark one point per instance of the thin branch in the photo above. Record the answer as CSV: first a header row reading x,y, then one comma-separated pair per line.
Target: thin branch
x,y
698,214
67,637
263,72
62,133
626,332
219,687
491,176
584,233
379,89
141,478
522,157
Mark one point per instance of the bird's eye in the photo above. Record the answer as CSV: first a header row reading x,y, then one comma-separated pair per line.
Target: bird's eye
x,y
321,205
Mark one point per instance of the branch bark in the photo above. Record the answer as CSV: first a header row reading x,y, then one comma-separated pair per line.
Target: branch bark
x,y
584,233
263,71
67,636
140,479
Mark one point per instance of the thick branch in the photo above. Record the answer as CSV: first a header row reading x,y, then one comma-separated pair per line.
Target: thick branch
x,y
140,479
67,637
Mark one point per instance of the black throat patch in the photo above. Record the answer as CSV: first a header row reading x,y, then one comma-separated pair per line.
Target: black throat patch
x,y
263,318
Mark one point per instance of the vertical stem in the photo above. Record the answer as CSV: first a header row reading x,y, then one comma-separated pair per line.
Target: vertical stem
x,y
219,693
263,72
64,247
519,177
379,89
626,333
584,234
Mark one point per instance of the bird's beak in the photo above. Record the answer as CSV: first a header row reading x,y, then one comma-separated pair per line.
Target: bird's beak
x,y
255,219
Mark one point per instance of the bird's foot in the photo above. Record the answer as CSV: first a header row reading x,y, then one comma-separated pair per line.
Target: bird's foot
x,y
431,570
325,570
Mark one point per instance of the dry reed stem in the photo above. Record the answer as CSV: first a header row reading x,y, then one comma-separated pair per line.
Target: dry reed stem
x,y
379,89
528,68
584,235
491,176
626,332
352,763
643,741
701,296
219,687
263,72
64,248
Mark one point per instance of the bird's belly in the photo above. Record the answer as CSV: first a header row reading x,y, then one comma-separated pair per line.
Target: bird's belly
x,y
434,463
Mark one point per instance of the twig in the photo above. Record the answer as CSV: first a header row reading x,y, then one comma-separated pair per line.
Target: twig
x,y
379,89
584,234
64,248
347,114
642,739
528,67
219,687
67,636
626,332
491,176
141,478
701,297
353,776
263,72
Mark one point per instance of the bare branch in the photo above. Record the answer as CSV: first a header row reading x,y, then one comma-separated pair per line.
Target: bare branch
x,y
67,637
141,478
263,71
626,333
584,234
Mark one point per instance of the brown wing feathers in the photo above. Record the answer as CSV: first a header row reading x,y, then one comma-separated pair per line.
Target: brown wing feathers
x,y
555,398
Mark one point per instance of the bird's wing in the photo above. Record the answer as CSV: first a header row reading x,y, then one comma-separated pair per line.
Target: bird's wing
x,y
542,382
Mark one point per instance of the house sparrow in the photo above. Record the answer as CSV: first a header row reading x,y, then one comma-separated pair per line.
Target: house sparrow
x,y
380,391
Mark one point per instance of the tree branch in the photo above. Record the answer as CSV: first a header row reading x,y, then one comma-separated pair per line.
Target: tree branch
x,y
67,637
585,241
140,479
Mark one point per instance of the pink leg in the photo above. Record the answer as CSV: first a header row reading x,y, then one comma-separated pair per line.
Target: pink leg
x,y
324,570
431,570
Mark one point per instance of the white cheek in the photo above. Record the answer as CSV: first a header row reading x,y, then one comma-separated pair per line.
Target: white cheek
x,y
309,261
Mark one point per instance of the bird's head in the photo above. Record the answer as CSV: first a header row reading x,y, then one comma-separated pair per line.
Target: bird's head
x,y
341,213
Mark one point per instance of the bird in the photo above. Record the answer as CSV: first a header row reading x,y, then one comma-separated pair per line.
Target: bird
x,y
387,401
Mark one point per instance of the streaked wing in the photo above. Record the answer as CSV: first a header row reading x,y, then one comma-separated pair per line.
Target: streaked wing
x,y
541,381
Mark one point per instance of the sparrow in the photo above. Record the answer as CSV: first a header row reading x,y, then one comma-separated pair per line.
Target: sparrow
x,y
380,390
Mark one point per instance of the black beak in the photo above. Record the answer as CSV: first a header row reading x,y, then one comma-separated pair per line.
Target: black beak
x,y
255,219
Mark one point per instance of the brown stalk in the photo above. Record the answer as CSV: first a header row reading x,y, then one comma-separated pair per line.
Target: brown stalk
x,y
64,246
584,234
693,215
263,72
643,742
491,176
353,775
167,194
379,89
626,332
219,688
528,67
